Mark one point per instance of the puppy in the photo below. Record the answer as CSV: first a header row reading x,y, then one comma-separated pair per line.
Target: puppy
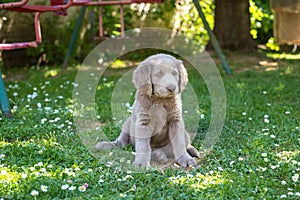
x,y
156,127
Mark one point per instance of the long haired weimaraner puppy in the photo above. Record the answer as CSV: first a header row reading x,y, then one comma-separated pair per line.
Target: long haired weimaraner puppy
x,y
156,127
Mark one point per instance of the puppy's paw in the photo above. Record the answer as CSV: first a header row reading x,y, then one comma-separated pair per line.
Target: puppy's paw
x,y
142,160
106,145
141,164
186,161
159,156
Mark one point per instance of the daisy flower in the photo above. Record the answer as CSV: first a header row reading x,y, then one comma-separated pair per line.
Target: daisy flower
x,y
264,154
123,195
100,180
64,187
34,193
295,177
82,188
44,188
72,188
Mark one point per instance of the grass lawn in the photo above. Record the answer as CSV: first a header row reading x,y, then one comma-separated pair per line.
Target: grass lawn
x,y
256,157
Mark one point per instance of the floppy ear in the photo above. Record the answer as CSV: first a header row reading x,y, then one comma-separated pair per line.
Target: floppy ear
x,y
183,76
142,77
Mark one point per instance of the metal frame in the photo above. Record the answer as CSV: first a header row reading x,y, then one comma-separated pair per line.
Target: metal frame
x,y
22,6
4,104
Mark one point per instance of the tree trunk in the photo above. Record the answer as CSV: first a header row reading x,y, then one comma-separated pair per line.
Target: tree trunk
x,y
232,25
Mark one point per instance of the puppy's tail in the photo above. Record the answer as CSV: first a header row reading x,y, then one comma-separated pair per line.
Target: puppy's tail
x,y
193,151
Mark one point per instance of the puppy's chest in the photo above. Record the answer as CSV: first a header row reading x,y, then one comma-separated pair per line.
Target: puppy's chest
x,y
162,116
165,112
157,112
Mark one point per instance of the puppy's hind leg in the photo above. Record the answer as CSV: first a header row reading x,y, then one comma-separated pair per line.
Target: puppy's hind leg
x,y
193,151
190,149
106,145
121,141
159,156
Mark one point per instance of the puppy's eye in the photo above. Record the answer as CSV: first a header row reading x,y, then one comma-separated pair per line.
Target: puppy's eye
x,y
174,73
158,74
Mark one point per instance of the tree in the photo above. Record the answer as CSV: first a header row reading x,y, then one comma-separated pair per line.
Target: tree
x,y
232,25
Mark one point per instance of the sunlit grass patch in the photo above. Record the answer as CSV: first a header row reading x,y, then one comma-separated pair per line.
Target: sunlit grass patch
x,y
287,56
198,181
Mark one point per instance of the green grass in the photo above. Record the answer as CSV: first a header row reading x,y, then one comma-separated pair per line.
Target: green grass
x,y
257,156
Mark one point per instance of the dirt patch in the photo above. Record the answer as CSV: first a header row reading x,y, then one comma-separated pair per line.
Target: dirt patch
x,y
241,62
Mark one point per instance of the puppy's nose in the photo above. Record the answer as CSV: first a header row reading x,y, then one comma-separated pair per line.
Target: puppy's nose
x,y
171,88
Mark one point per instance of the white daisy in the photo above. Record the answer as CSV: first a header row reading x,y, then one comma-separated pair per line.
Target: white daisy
x,y
72,188
34,193
295,177
64,187
82,188
264,154
44,188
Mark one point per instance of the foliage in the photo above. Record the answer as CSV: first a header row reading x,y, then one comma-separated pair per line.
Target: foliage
x,y
57,30
191,24
272,45
155,15
111,20
185,20
180,16
261,18
257,156
56,33
6,1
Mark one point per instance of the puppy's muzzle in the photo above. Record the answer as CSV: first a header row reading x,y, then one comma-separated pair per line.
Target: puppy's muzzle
x,y
171,88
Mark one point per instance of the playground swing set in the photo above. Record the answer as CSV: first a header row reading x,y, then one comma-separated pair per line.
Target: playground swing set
x,y
60,7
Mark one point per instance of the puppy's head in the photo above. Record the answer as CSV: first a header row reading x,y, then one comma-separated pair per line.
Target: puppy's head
x,y
160,75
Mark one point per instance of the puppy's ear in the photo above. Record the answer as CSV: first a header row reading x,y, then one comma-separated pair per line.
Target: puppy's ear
x,y
142,77
183,76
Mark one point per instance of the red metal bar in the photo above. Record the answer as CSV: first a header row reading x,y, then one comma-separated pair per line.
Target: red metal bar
x,y
105,3
20,45
100,21
24,7
122,21
37,8
147,1
13,4
37,27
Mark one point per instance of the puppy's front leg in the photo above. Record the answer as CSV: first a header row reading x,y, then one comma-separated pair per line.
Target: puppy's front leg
x,y
176,134
143,152
142,145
